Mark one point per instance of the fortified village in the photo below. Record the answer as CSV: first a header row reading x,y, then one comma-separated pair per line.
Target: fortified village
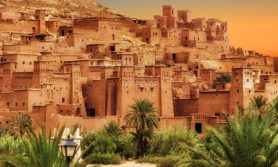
x,y
74,63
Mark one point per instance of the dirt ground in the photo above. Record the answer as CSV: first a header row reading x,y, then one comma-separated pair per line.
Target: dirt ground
x,y
127,164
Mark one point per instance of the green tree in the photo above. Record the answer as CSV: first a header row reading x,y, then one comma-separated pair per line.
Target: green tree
x,y
259,103
142,117
21,123
112,129
226,77
42,150
246,141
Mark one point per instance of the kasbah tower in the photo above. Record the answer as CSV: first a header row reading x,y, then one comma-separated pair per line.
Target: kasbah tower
x,y
66,66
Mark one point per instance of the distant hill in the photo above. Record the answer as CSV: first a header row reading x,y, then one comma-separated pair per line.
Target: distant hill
x,y
60,8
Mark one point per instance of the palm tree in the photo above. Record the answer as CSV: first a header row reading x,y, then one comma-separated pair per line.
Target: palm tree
x,y
246,141
142,117
112,129
22,123
259,103
42,150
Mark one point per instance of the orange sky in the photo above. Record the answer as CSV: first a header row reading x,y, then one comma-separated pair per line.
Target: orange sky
x,y
252,24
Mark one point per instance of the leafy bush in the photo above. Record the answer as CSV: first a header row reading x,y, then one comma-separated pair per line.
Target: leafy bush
x,y
109,140
173,141
103,159
98,143
126,146
112,129
11,152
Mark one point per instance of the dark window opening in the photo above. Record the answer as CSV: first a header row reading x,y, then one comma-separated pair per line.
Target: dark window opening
x,y
174,57
62,33
63,100
196,73
91,112
40,38
33,29
78,111
112,48
198,127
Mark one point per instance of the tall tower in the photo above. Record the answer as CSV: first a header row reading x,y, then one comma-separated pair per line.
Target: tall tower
x,y
125,90
169,13
168,10
7,69
184,15
76,96
40,16
166,97
242,88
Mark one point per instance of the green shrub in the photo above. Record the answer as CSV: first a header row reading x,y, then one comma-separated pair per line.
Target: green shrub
x,y
173,141
126,146
103,159
98,143
109,140
169,161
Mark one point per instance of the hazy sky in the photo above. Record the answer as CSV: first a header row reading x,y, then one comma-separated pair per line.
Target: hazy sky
x,y
253,24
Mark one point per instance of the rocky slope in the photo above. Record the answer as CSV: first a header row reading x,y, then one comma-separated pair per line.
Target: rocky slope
x,y
60,8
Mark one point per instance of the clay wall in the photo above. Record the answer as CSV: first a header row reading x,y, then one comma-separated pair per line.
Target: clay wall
x,y
171,37
270,85
151,35
97,97
69,109
33,47
24,62
61,88
173,122
185,107
208,76
213,102
26,26
90,124
6,77
275,62
188,36
22,80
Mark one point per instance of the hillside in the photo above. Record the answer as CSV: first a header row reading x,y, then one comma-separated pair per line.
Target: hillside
x,y
60,8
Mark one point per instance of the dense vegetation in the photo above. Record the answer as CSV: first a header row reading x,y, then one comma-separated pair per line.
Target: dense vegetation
x,y
249,139
222,78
